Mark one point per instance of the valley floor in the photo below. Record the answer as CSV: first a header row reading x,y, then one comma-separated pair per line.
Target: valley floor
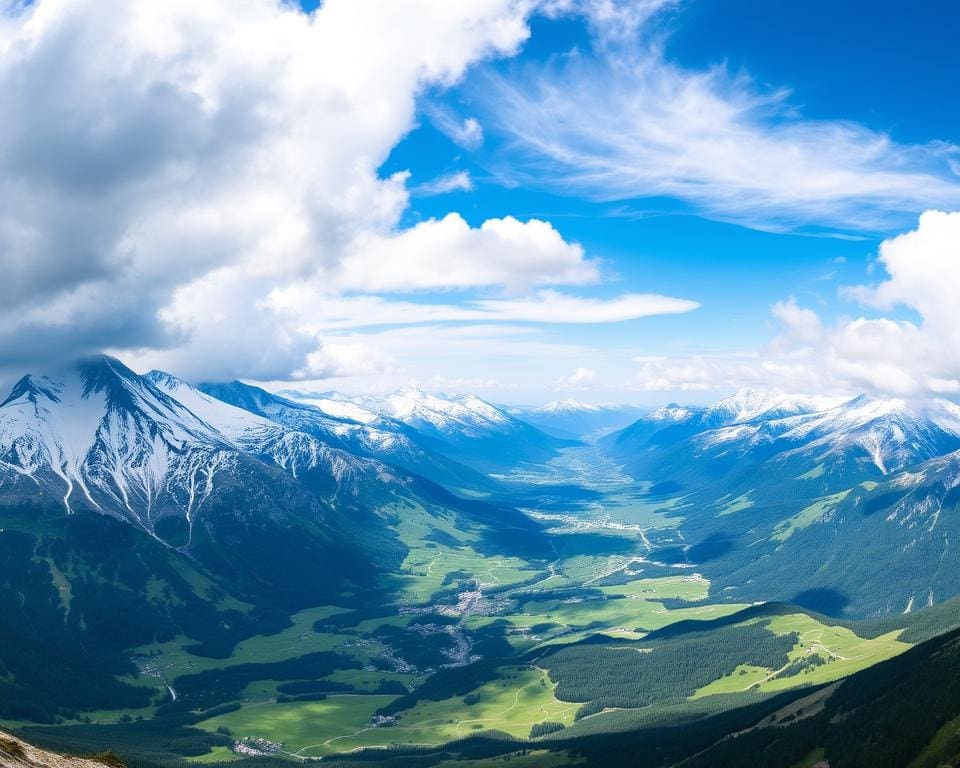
x,y
464,642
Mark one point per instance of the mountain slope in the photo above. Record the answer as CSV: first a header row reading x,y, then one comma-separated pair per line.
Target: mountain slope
x,y
137,509
16,753
573,419
99,437
847,510
876,549
863,438
468,429
352,428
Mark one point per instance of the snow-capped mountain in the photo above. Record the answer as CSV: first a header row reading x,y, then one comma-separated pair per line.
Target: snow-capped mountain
x,y
298,452
569,405
893,433
789,434
464,428
840,505
234,488
886,434
575,419
163,456
101,436
444,415
334,404
339,422
749,405
744,406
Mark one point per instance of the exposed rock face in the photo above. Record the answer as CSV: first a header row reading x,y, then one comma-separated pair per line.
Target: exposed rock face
x,y
15,753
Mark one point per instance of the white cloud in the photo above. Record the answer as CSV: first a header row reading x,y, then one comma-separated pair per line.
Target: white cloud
x,y
581,377
546,306
554,307
165,166
196,186
351,358
467,132
449,253
459,181
697,373
623,122
886,354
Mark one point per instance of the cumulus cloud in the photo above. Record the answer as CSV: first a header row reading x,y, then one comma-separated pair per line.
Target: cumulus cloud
x,y
449,253
581,377
149,146
197,186
337,359
878,354
622,121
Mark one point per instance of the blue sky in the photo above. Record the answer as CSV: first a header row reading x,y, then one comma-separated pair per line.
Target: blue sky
x,y
881,70
628,200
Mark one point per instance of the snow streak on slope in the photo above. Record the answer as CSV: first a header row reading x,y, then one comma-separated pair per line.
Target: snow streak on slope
x,y
149,448
104,435
334,404
296,451
890,432
569,406
467,415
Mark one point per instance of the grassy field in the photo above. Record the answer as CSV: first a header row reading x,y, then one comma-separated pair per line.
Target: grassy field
x,y
840,650
534,604
736,505
431,566
173,660
304,727
808,516
692,588
513,703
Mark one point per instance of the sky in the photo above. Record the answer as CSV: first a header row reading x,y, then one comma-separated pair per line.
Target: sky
x,y
618,201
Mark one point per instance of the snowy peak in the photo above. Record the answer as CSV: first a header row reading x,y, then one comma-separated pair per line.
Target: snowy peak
x,y
673,413
446,414
165,381
863,434
31,389
100,434
236,424
334,404
750,405
568,406
742,405
891,431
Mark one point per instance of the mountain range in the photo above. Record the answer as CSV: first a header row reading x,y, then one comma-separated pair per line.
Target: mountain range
x,y
845,505
575,419
143,510
226,514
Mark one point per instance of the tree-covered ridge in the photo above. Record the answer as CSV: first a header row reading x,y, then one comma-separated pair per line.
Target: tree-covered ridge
x,y
642,674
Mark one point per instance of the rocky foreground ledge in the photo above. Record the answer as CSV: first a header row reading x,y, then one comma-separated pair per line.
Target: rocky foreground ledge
x,y
16,753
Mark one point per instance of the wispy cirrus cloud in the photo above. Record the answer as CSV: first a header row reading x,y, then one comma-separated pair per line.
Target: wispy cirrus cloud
x,y
459,181
545,306
170,171
621,121
463,131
